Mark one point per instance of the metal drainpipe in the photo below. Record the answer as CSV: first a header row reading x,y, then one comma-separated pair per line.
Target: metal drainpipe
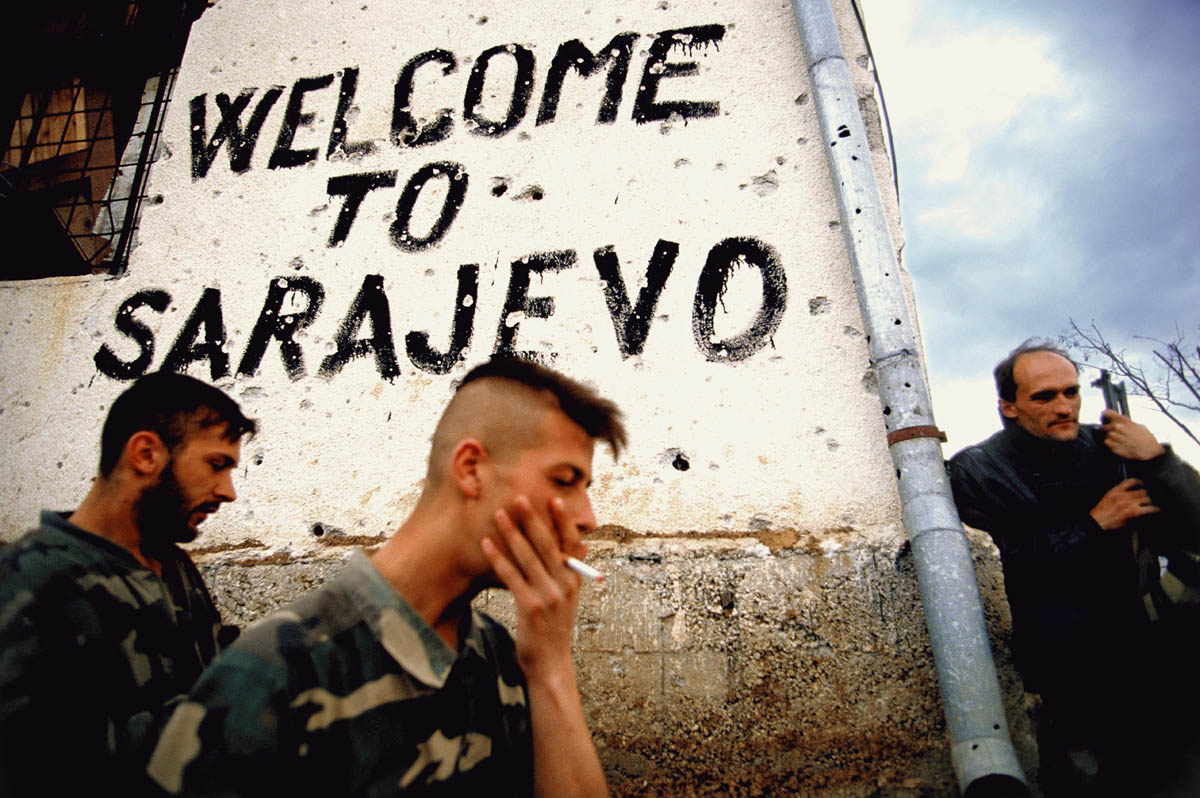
x,y
982,753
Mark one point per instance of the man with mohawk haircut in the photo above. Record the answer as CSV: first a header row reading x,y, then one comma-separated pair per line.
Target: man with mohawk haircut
x,y
385,681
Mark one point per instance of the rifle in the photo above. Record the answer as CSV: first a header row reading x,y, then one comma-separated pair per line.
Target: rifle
x,y
1159,585
1114,399
1114,395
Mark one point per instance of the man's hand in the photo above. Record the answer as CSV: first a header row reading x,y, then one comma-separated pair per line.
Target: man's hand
x,y
1128,439
532,565
1128,499
529,555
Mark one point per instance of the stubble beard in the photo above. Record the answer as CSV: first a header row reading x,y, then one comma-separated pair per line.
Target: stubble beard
x,y
162,515
1064,433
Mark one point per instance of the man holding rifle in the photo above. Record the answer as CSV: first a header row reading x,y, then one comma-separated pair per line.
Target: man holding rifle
x,y
1081,515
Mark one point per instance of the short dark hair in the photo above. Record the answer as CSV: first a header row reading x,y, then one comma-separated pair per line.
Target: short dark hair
x,y
170,405
1006,384
600,418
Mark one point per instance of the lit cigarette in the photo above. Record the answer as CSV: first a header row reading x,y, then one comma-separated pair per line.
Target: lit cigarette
x,y
584,570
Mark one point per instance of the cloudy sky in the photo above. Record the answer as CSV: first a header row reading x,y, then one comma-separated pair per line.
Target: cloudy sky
x,y
1049,155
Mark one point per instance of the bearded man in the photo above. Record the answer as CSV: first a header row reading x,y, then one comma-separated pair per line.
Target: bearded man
x,y
104,620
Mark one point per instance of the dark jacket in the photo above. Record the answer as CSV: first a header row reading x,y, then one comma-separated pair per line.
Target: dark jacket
x,y
1069,582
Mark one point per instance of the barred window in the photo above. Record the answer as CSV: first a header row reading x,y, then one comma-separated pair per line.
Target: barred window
x,y
83,118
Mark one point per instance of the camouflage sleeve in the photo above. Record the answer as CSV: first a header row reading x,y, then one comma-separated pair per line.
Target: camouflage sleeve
x,y
212,635
46,702
20,649
234,735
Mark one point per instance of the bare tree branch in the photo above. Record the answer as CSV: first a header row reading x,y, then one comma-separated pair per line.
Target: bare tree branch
x,y
1194,379
1178,370
1179,367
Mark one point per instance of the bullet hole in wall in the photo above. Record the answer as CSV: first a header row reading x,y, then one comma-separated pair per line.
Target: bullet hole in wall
x,y
763,185
534,193
680,463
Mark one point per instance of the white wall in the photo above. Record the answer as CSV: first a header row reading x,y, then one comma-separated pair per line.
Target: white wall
x,y
782,433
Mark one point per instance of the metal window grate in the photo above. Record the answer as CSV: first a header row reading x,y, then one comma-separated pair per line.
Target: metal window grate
x,y
121,209
83,123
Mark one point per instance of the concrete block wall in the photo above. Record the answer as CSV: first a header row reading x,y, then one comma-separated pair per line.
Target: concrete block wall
x,y
741,666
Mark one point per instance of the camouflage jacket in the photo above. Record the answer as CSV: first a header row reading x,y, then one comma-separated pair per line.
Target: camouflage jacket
x,y
95,650
348,691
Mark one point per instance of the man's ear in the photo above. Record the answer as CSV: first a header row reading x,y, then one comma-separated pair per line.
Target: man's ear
x,y
145,453
466,462
1007,409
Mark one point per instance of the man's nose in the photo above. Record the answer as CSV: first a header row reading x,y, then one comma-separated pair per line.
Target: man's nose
x,y
225,491
585,519
1062,405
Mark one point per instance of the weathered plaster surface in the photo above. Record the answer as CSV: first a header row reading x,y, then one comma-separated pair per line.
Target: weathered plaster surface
x,y
783,433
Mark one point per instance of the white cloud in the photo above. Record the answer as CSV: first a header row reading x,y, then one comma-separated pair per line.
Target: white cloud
x,y
996,116
951,88
964,408
993,206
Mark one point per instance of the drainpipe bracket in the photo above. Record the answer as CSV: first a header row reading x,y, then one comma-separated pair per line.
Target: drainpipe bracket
x,y
908,433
